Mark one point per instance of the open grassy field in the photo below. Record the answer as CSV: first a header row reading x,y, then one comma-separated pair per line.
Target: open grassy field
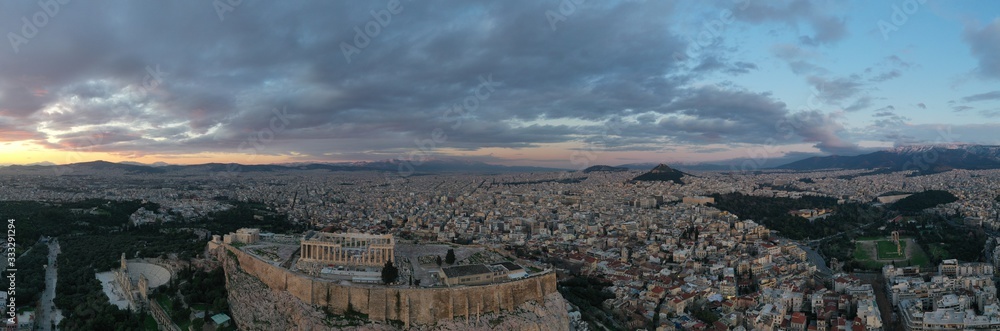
x,y
861,253
874,253
887,250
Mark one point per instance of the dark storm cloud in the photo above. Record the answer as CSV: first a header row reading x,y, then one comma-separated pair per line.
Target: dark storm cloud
x,y
227,76
172,78
984,41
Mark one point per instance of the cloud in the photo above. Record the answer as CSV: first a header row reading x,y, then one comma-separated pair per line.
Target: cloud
x,y
886,117
17,130
860,104
89,70
798,58
823,129
984,42
93,138
892,67
834,91
126,78
885,111
712,63
994,95
827,28
891,74
711,115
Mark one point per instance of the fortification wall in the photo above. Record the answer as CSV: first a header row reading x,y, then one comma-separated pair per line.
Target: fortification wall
x,y
412,306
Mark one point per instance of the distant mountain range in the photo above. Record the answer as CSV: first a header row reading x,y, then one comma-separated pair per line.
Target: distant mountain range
x,y
924,159
662,173
604,168
429,166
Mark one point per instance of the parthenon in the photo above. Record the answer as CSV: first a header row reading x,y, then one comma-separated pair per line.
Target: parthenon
x,y
357,249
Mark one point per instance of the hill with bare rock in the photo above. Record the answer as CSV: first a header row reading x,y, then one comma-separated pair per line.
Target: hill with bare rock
x,y
662,173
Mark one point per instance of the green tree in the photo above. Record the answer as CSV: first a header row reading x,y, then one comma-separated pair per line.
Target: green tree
x,y
450,257
389,273
439,260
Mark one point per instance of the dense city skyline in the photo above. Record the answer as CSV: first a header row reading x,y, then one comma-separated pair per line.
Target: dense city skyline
x,y
535,83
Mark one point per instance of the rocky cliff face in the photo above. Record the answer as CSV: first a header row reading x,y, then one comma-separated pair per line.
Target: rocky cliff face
x,y
256,306
530,316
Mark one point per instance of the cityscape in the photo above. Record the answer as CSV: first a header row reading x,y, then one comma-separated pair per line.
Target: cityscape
x,y
552,165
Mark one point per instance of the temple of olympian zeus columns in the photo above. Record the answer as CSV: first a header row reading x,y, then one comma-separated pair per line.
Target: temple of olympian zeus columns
x,y
895,239
356,249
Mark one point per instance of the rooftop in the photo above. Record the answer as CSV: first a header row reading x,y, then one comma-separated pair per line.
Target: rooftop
x,y
466,270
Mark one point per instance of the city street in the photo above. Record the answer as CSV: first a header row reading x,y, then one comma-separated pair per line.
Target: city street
x,y
817,260
47,314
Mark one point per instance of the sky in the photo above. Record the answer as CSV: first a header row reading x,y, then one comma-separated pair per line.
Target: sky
x,y
550,83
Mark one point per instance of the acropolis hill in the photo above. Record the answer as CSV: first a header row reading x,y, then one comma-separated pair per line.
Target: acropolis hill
x,y
266,296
